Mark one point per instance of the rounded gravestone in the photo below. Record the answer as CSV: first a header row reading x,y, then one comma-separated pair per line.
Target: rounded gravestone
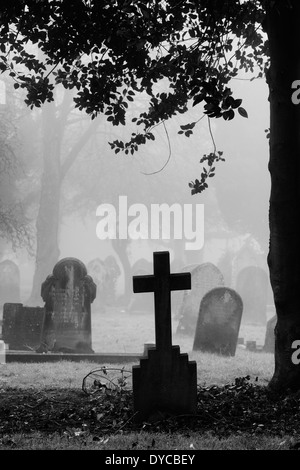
x,y
204,277
245,257
252,285
69,268
68,294
219,322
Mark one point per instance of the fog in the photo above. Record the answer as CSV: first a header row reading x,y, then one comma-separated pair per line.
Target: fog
x,y
62,169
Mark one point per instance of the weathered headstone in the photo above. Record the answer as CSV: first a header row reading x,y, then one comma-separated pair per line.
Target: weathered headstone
x,y
9,282
22,326
219,322
165,381
205,277
247,255
252,285
269,345
68,294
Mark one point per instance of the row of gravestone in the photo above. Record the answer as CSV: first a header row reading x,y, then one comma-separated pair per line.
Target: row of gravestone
x,y
105,274
64,323
165,380
252,284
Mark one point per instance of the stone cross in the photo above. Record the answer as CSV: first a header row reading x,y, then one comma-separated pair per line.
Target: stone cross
x,y
162,283
165,381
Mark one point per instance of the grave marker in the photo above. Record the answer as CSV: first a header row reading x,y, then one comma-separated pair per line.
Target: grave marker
x,y
22,326
68,294
205,277
165,381
219,322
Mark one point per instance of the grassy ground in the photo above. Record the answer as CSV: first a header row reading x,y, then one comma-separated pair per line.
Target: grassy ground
x,y
211,370
120,332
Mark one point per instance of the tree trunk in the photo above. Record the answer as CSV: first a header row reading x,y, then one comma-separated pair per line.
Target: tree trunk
x,y
283,29
54,122
47,224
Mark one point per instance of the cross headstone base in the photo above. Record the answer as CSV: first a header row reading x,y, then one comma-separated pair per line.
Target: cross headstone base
x,y
164,383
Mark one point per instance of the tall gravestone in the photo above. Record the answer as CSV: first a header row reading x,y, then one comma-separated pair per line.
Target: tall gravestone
x,y
252,285
9,282
205,277
22,327
68,294
165,381
246,256
219,322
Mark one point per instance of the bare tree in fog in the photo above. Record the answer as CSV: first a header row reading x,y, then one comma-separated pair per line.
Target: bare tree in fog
x,y
61,145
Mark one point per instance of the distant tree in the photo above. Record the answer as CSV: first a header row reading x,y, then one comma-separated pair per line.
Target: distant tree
x,y
59,150
15,226
97,177
112,50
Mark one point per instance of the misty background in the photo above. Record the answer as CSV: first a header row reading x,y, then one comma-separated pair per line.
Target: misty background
x,y
57,168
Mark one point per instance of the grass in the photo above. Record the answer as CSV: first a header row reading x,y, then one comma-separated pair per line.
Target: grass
x,y
117,332
144,441
211,370
47,378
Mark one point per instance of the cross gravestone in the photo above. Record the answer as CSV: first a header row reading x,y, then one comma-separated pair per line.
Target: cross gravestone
x,y
219,322
9,282
22,326
252,285
68,294
165,381
205,277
